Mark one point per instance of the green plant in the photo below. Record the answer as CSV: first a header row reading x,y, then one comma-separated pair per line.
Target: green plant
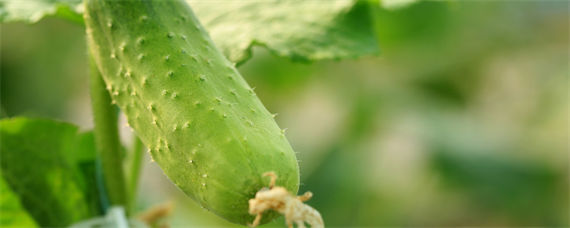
x,y
189,105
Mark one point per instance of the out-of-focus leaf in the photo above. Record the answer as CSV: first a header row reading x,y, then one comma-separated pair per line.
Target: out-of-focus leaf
x,y
301,30
43,162
12,214
31,11
503,185
478,164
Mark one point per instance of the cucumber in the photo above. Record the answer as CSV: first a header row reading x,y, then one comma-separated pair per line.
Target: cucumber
x,y
203,124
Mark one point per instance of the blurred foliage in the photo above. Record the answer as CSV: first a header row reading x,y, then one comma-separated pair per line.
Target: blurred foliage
x,y
461,120
43,72
63,167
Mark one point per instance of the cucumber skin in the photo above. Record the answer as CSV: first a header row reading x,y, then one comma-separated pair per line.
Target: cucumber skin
x,y
204,125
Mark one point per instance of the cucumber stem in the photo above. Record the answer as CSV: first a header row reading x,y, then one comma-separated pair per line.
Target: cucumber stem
x,y
136,164
107,140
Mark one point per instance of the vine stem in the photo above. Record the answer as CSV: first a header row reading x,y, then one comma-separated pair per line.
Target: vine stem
x,y
107,140
136,163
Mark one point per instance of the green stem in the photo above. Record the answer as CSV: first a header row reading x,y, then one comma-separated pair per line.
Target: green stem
x,y
107,139
136,164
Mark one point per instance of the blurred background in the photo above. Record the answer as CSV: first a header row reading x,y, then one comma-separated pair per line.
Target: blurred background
x,y
461,120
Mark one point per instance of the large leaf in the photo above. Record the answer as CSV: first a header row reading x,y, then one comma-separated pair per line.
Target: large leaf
x,y
12,214
50,166
301,30
32,11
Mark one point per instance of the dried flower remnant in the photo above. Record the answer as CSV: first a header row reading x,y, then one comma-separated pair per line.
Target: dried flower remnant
x,y
279,199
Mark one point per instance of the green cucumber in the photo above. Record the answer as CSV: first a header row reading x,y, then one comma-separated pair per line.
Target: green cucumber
x,y
204,125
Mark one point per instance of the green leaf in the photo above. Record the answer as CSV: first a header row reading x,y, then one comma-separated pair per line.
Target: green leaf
x,y
12,214
31,11
50,166
301,30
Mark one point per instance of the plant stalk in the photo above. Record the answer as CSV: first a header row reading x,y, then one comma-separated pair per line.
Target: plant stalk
x,y
136,165
107,139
